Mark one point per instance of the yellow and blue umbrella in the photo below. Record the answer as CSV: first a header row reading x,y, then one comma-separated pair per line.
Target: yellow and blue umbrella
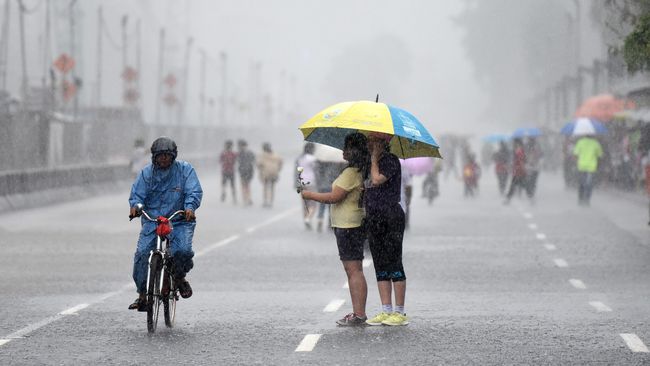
x,y
410,138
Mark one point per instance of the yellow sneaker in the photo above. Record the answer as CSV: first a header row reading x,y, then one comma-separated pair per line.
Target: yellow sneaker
x,y
378,319
396,319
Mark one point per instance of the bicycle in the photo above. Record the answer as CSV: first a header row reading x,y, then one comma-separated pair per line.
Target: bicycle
x,y
161,287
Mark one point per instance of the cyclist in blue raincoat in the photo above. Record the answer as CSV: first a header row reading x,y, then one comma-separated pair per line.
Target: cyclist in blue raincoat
x,y
163,187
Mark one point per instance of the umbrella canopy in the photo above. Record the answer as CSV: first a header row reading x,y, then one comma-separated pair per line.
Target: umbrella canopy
x,y
583,126
602,107
418,166
496,137
409,137
527,132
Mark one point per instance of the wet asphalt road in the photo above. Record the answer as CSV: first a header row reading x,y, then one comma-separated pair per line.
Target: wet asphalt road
x,y
550,283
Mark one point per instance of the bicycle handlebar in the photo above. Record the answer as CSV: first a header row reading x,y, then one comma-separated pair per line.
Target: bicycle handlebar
x,y
146,215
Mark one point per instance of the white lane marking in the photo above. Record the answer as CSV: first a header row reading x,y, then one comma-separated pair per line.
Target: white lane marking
x,y
634,342
74,309
560,262
308,343
600,307
218,244
346,285
366,263
334,305
578,284
540,236
532,226
273,219
550,247
528,215
32,327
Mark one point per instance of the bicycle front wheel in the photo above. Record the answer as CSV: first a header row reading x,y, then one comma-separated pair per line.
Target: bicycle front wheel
x,y
169,299
153,293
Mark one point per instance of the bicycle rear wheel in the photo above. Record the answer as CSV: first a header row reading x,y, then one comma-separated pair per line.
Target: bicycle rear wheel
x,y
153,293
169,299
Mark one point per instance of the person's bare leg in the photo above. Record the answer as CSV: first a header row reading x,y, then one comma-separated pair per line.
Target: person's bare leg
x,y
385,289
400,292
358,286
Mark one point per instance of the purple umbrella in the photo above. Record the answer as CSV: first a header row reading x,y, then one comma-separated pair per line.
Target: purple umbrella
x,y
418,166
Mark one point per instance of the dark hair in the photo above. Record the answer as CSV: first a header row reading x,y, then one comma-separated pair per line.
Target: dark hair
x,y
359,156
309,148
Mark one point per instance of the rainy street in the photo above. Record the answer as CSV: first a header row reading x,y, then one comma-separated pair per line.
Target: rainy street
x,y
550,283
365,182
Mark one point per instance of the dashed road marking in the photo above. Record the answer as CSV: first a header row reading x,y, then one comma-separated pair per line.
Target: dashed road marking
x,y
21,333
634,342
578,284
540,236
550,247
218,244
532,226
334,305
74,309
600,307
308,343
560,262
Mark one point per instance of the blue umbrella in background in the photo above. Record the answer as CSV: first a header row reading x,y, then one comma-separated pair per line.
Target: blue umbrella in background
x,y
496,137
527,132
583,126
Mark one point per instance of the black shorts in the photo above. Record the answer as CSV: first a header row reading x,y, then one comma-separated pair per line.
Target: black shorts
x,y
227,177
385,236
350,242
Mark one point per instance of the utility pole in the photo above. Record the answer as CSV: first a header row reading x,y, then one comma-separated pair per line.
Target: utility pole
x,y
4,46
223,115
47,97
100,32
186,74
138,61
23,51
161,57
72,54
202,89
125,20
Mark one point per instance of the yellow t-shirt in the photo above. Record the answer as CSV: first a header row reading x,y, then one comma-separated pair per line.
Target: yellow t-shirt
x,y
348,213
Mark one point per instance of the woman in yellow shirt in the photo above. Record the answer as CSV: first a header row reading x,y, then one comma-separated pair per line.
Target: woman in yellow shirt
x,y
347,214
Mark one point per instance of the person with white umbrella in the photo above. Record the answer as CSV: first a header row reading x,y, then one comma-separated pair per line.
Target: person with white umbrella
x,y
588,151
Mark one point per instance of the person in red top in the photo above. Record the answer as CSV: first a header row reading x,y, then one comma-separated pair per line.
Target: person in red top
x,y
518,169
227,159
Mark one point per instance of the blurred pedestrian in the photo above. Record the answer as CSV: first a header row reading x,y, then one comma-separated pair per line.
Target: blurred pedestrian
x,y
347,214
307,161
518,169
228,158
430,188
329,163
269,165
245,166
139,158
533,164
406,193
588,150
385,224
501,160
471,174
